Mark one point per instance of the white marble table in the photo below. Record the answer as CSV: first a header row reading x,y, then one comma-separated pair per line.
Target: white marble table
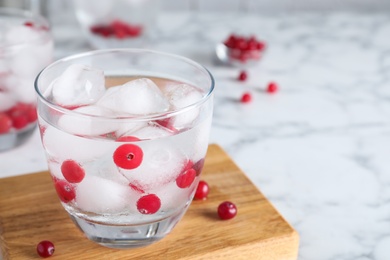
x,y
320,148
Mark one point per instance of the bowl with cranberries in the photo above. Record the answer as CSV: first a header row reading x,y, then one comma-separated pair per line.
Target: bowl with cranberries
x,y
240,50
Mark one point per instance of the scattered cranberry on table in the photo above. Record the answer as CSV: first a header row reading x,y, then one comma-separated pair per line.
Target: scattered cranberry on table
x,y
243,76
45,248
243,49
246,97
202,191
227,210
272,87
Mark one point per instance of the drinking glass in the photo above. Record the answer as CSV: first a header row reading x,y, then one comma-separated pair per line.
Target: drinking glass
x,y
26,47
117,23
125,133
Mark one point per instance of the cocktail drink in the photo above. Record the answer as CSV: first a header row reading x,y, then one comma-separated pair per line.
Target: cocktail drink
x,y
125,133
26,47
117,23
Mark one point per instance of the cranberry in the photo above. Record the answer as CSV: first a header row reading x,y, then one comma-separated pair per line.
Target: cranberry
x,y
128,156
65,191
72,171
19,121
272,87
186,177
242,76
45,248
246,97
227,210
202,191
28,24
5,123
149,204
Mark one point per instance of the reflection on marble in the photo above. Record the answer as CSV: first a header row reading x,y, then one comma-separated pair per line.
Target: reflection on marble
x,y
318,149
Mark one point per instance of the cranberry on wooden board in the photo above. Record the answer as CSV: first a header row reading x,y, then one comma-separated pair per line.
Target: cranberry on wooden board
x,y
45,248
227,210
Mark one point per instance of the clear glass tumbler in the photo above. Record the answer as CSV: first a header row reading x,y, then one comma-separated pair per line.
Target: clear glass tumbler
x,y
117,23
26,47
125,133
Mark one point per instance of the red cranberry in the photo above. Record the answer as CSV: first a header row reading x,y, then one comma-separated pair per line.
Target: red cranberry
x,y
45,248
72,171
19,121
186,178
149,204
202,191
128,156
243,76
65,191
28,24
272,87
246,97
227,210
5,123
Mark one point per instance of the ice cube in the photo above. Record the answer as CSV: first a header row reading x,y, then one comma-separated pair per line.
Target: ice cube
x,y
78,85
24,90
62,146
181,96
20,34
55,170
87,125
150,132
162,162
172,197
98,195
106,169
128,127
137,97
7,100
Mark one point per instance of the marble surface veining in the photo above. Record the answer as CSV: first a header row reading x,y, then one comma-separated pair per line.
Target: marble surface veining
x,y
319,148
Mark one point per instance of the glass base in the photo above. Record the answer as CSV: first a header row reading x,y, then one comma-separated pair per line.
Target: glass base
x,y
127,236
13,139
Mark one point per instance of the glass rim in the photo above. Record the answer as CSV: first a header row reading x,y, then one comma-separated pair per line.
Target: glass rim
x,y
131,117
27,14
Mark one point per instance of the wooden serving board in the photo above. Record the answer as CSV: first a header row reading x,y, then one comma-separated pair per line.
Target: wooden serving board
x,y
30,212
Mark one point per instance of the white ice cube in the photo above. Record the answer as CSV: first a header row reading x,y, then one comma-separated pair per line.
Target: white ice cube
x,y
7,100
24,90
181,96
55,169
172,196
137,97
79,85
98,195
162,162
106,169
150,132
88,125
20,34
62,146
